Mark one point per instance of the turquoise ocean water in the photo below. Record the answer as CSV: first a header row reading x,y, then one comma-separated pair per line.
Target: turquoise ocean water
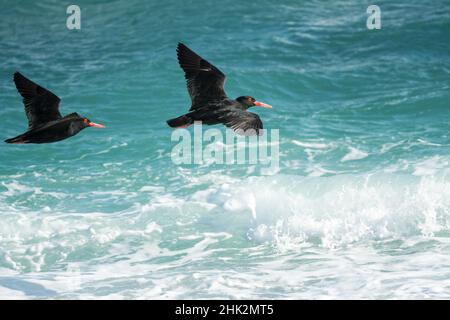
x,y
358,208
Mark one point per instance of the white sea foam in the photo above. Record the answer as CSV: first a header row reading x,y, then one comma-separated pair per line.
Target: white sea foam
x,y
152,189
388,146
312,145
430,166
337,210
428,143
354,154
296,233
317,171
15,188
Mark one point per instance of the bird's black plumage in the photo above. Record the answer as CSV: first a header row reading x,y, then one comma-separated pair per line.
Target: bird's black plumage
x,y
210,104
204,81
45,123
41,105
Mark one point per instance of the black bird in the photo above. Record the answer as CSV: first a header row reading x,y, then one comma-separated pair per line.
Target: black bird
x,y
210,104
45,123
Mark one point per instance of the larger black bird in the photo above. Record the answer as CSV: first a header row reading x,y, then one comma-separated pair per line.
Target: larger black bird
x,y
45,123
210,104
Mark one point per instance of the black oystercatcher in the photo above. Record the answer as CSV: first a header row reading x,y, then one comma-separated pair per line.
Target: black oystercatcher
x,y
45,123
210,104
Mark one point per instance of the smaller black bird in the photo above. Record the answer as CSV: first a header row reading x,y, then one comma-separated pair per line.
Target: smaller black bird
x,y
45,123
210,104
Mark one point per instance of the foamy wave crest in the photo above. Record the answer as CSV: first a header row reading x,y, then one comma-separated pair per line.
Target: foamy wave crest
x,y
334,211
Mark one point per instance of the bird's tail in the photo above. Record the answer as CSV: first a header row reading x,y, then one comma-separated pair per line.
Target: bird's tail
x,y
180,122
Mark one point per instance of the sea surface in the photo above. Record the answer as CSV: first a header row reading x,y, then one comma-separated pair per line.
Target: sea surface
x,y
359,206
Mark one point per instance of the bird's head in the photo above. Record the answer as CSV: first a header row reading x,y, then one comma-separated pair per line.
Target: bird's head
x,y
78,123
89,123
248,102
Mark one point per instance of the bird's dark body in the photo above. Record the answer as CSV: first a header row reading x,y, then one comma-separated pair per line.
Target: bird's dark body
x,y
213,112
210,104
52,131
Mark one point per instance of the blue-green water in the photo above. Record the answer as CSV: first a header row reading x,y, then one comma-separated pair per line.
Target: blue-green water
x,y
360,204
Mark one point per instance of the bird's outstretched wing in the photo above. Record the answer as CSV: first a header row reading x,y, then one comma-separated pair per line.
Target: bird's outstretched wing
x,y
41,105
204,81
243,122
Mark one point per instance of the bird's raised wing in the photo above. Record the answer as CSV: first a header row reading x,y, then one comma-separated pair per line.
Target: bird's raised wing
x,y
242,122
204,81
41,105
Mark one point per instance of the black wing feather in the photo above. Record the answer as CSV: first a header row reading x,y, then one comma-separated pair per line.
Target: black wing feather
x,y
243,122
205,82
41,105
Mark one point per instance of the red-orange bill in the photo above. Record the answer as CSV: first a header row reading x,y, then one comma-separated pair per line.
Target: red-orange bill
x,y
96,125
263,105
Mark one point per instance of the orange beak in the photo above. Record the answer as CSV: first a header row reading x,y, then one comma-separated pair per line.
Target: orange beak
x,y
95,125
263,105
